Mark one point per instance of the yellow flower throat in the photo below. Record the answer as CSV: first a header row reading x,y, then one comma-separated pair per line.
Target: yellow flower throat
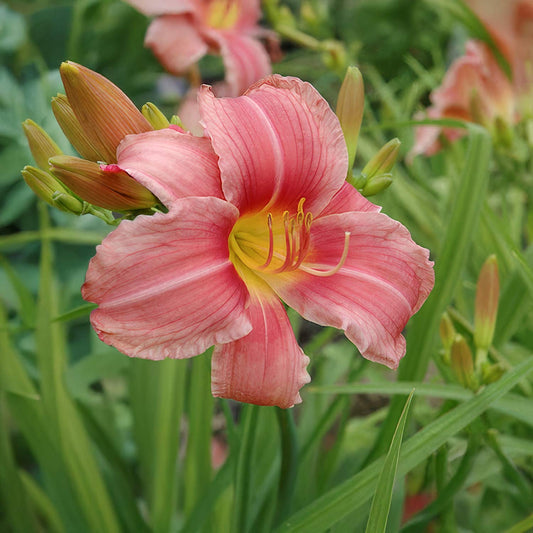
x,y
272,243
223,14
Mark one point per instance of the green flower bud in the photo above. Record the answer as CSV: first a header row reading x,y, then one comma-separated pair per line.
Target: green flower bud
x,y
50,189
350,107
377,184
486,309
41,144
447,334
383,161
154,116
463,364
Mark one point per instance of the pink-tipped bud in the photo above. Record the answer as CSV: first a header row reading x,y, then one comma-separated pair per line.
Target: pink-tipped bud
x,y
72,129
51,190
154,116
350,107
105,113
41,144
111,188
463,364
486,310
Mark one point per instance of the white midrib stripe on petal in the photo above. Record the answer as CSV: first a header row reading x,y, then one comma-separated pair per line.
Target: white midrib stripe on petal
x,y
169,285
278,150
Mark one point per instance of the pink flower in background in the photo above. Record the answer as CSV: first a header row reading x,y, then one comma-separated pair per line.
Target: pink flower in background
x,y
185,30
474,89
510,23
258,212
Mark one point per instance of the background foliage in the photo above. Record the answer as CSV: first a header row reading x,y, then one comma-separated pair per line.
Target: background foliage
x,y
93,441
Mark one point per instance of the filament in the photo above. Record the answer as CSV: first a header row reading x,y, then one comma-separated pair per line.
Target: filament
x,y
335,269
286,247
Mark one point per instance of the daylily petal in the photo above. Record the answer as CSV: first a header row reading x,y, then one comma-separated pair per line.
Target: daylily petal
x,y
159,293
349,199
171,164
249,13
189,112
384,280
266,367
278,143
245,59
161,7
176,42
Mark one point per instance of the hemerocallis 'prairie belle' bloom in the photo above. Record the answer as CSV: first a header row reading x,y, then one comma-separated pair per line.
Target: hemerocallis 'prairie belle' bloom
x,y
258,213
185,30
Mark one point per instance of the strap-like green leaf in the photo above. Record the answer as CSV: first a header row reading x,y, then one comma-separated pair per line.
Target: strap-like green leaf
x,y
379,511
356,491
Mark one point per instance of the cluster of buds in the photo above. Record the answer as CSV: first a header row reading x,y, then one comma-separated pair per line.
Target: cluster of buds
x,y
376,175
298,30
95,115
470,371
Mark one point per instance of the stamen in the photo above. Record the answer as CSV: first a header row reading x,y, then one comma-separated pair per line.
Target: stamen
x,y
335,269
288,248
303,246
270,242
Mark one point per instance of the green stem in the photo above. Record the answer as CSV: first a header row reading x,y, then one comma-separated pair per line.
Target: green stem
x,y
289,463
510,470
242,474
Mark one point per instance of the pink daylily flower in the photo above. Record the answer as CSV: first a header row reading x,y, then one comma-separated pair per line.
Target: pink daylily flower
x,y
510,23
185,30
258,213
474,89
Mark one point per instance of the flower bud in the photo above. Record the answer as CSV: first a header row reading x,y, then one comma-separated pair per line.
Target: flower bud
x,y
105,113
447,334
463,363
492,373
383,161
41,145
176,121
154,116
48,188
350,107
72,129
110,188
486,309
377,184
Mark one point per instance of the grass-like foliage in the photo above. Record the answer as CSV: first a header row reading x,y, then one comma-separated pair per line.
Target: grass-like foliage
x,y
94,441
